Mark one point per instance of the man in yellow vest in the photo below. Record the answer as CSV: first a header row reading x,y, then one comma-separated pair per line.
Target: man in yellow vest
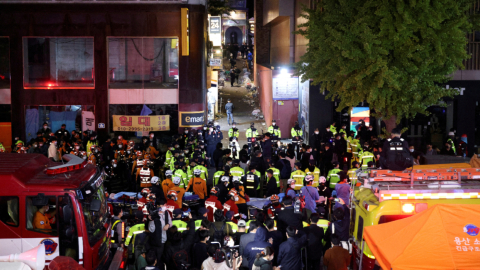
x,y
276,173
275,131
298,175
313,170
352,173
251,135
333,178
297,139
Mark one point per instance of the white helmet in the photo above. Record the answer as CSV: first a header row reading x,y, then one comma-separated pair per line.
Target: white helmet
x,y
176,180
168,173
225,179
154,180
237,179
322,180
290,181
309,178
197,172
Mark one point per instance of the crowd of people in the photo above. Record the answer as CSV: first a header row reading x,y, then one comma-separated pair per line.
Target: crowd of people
x,y
193,196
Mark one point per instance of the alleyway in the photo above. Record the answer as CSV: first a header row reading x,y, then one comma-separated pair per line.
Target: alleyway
x,y
244,104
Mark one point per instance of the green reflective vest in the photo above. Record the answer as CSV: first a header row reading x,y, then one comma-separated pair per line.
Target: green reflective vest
x,y
237,171
352,176
134,230
233,132
234,226
168,158
217,176
366,157
298,176
198,224
251,133
355,144
275,131
172,163
333,129
316,175
276,175
333,177
450,141
183,176
181,225
296,132
204,174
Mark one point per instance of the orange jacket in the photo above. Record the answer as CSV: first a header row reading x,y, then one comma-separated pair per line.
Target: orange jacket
x,y
199,187
180,191
167,184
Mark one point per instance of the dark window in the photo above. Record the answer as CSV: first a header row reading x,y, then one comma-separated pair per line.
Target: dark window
x,y
142,63
360,228
51,214
58,63
390,218
9,210
4,64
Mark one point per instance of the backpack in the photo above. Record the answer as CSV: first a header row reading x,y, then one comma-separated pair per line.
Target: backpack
x,y
218,235
286,170
180,258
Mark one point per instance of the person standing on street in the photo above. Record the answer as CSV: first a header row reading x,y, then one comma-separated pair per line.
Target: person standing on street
x,y
232,76
229,109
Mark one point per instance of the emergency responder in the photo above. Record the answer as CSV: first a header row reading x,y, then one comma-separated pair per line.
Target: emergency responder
x,y
117,228
290,191
179,190
343,129
156,188
172,198
395,154
62,132
251,135
328,136
229,205
233,131
367,156
297,139
173,159
333,178
352,173
237,170
276,173
333,128
252,182
298,175
138,163
356,150
217,175
240,189
451,137
92,141
42,219
313,170
92,159
310,194
177,220
76,149
275,131
45,130
168,155
350,138
143,176
180,172
198,185
212,204
202,168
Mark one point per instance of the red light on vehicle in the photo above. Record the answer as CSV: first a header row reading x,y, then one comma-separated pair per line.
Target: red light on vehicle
x,y
420,207
122,264
64,169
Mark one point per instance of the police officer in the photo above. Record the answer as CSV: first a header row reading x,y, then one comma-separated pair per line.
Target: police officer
x,y
367,156
451,136
117,225
315,171
251,135
233,131
395,154
252,182
297,134
275,132
62,132
333,177
298,176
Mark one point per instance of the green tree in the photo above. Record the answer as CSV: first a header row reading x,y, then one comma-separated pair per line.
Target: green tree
x,y
219,7
394,54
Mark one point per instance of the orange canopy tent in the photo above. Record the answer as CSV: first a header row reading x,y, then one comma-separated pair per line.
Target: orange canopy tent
x,y
446,236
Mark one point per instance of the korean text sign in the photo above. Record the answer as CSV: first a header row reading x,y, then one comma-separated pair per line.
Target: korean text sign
x,y
141,123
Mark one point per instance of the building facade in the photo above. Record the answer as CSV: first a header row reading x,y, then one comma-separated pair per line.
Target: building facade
x,y
102,58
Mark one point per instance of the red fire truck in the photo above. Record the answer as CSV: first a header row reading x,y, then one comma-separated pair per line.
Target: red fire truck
x,y
80,224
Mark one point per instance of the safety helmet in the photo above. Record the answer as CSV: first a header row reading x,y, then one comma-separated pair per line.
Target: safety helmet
x,y
309,178
232,192
172,194
154,180
146,156
235,179
197,172
214,191
92,148
131,142
139,154
19,143
322,180
225,179
274,197
145,191
176,180
289,181
168,173
151,197
120,137
83,154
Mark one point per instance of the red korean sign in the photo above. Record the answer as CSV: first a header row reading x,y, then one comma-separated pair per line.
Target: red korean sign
x,y
141,123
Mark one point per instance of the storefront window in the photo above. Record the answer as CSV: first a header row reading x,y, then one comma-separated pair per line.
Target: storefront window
x,y
55,116
142,63
58,63
4,64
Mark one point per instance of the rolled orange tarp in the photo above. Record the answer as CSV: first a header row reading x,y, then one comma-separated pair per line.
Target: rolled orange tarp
x,y
446,236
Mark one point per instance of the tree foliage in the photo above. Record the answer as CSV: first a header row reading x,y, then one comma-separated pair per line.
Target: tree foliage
x,y
394,54
219,7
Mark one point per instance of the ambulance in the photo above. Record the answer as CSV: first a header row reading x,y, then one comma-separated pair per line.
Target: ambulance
x,y
386,196
78,225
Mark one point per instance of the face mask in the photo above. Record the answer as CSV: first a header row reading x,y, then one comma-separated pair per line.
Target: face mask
x,y
186,131
35,145
41,144
151,136
411,150
45,127
273,124
211,129
114,165
16,138
316,132
84,157
186,152
201,146
204,128
119,138
128,152
96,151
233,126
55,143
328,130
77,147
236,198
120,146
